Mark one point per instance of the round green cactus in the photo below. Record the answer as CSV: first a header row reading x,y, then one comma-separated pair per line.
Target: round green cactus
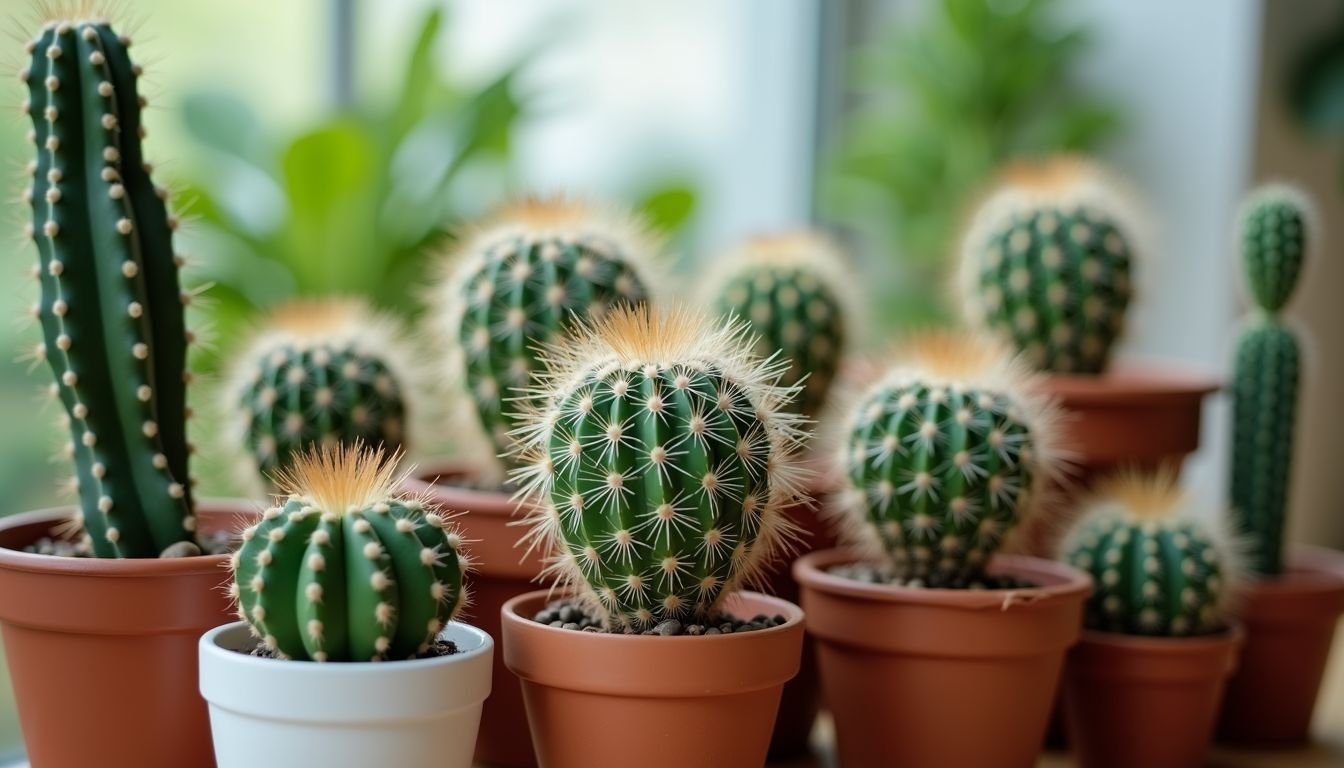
x,y
346,570
1046,264
532,272
943,455
1157,569
785,287
1275,229
321,372
660,465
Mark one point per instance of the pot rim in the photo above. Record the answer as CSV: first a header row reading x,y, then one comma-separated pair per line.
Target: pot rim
x,y
1062,579
212,643
429,478
99,567
792,612
1233,634
1134,381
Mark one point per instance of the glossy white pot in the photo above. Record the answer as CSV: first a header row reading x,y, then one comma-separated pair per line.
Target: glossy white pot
x,y
420,713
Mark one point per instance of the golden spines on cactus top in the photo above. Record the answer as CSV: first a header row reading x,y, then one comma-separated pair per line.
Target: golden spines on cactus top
x,y
659,464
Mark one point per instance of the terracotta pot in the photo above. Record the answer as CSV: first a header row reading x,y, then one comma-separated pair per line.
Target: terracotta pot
x,y
802,695
597,700
103,652
1290,626
1136,415
421,713
938,676
1146,701
502,571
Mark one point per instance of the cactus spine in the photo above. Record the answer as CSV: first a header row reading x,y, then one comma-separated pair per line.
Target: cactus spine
x,y
111,306
1046,264
1157,569
787,289
327,372
521,283
660,465
944,456
346,570
1274,226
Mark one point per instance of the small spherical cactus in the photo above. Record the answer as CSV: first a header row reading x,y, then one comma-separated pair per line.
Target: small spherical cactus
x,y
944,455
1046,263
1275,226
345,569
790,290
660,465
330,372
521,282
1158,570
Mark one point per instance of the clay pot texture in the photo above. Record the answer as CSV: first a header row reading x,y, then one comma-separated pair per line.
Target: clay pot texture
x,y
501,571
940,676
103,652
802,695
1290,626
1146,701
597,700
421,713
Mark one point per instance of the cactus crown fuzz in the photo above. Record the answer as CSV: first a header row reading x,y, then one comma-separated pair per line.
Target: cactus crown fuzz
x,y
327,372
1158,568
659,464
345,569
111,307
1046,263
791,291
521,280
944,455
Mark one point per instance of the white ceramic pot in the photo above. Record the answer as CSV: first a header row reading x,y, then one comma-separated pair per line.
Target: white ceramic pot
x,y
421,713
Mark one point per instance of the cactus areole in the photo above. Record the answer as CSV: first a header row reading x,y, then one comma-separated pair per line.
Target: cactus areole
x,y
111,306
661,463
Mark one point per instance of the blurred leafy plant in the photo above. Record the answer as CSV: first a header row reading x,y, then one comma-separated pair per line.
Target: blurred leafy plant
x,y
942,103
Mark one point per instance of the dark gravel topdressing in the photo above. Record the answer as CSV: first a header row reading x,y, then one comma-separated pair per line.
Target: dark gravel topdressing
x,y
873,573
439,648
569,614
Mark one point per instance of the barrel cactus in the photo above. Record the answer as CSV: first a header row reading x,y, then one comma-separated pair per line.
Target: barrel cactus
x,y
346,569
1275,226
111,306
330,372
944,455
659,465
788,288
1046,263
1158,569
522,281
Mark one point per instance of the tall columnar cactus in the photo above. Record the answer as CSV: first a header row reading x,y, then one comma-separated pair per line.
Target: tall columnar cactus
x,y
660,465
1274,225
944,456
328,372
1158,569
1046,264
111,306
788,289
522,281
345,569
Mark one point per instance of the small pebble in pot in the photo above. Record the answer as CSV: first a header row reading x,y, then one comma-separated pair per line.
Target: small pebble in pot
x,y
571,615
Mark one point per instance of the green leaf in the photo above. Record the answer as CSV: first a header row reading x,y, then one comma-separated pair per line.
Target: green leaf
x,y
226,124
419,77
668,207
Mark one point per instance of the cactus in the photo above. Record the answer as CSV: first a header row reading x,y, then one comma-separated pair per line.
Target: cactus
x,y
659,465
1157,569
527,276
111,308
945,455
787,289
1046,264
345,569
1274,229
325,372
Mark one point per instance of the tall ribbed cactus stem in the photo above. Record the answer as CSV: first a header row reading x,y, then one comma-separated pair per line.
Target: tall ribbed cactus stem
x,y
111,309
660,465
1274,230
